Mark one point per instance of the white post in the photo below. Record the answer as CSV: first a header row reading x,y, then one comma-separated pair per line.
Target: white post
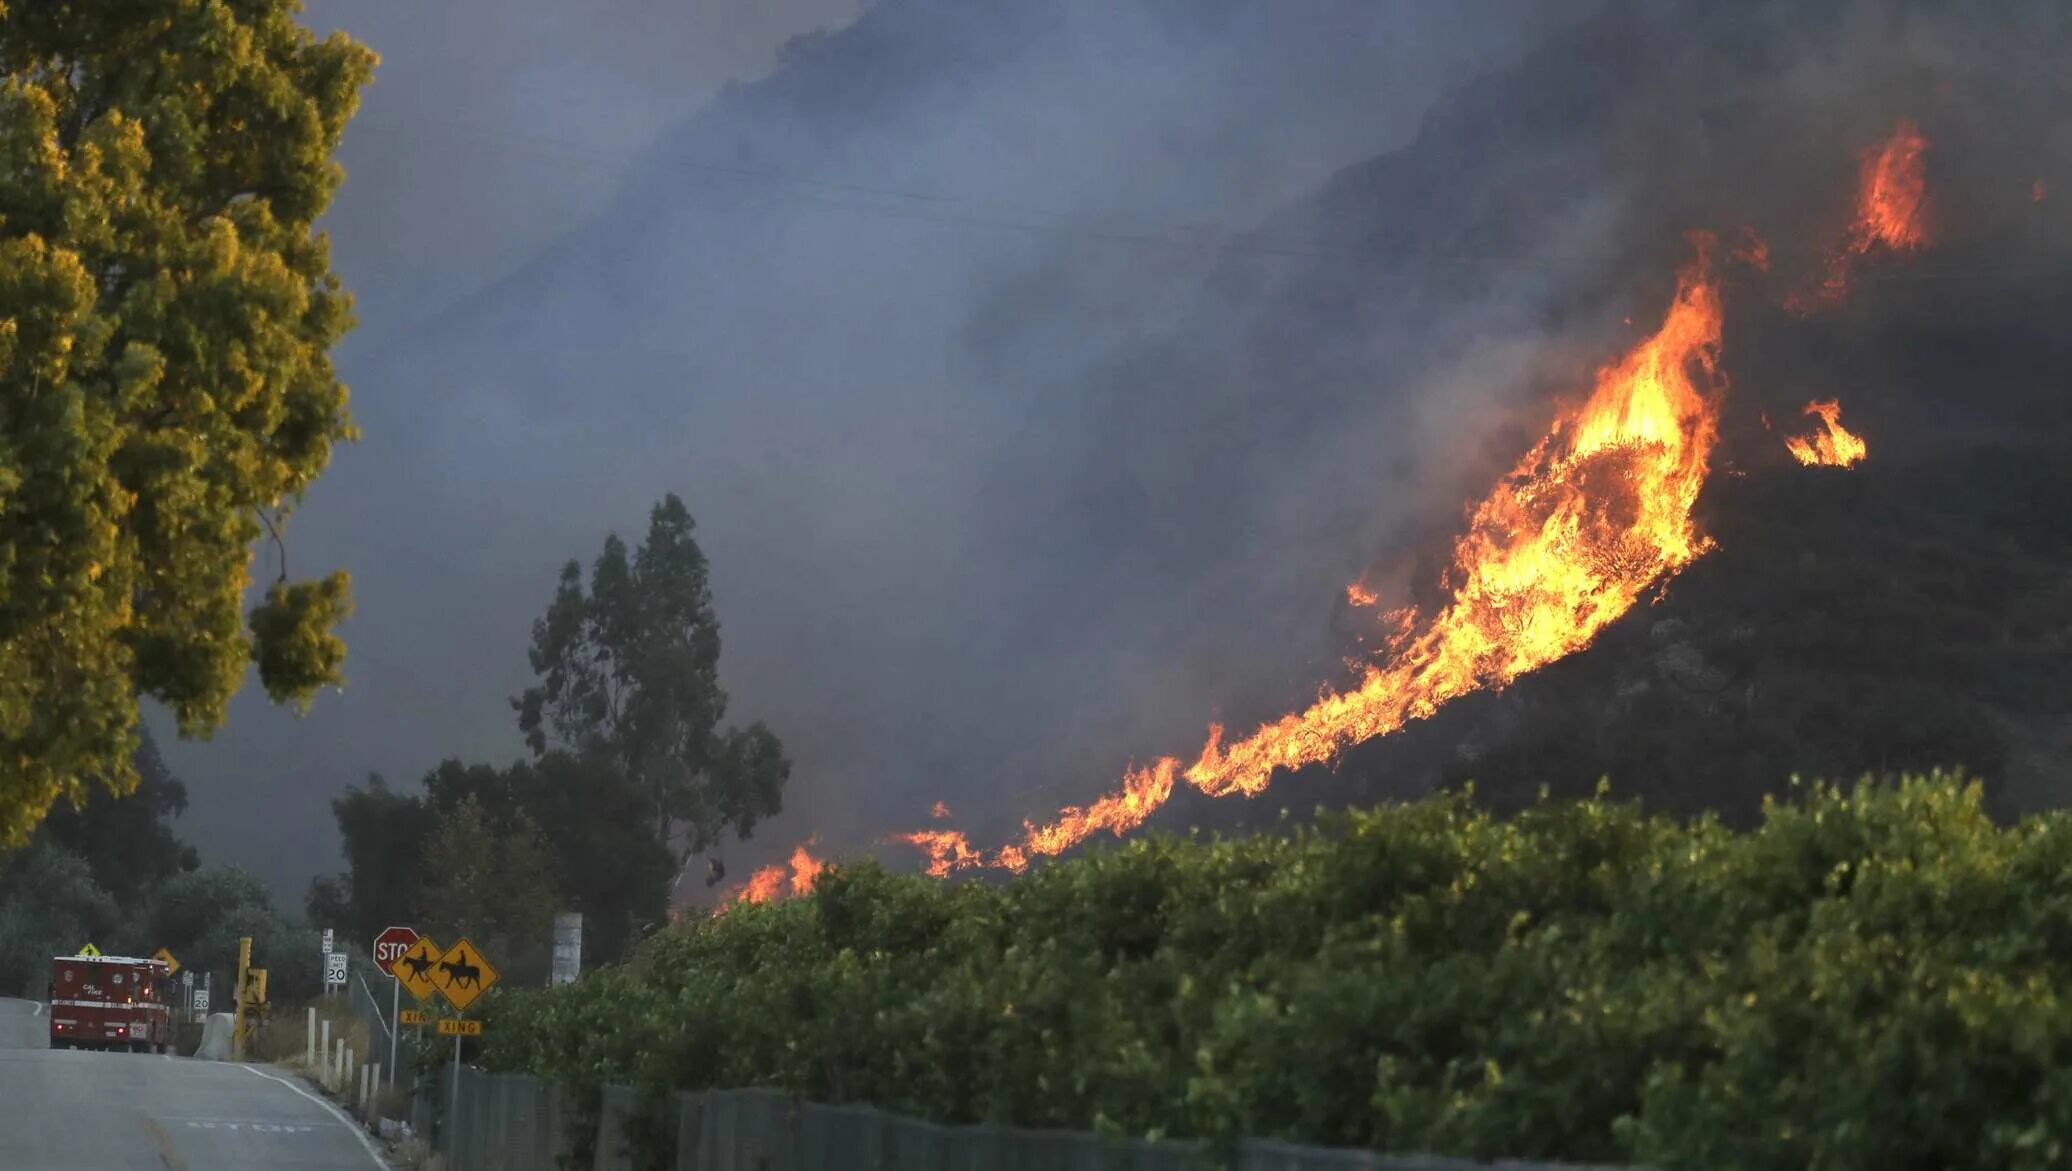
x,y
352,1064
395,1023
309,1051
338,1065
360,1098
324,1071
373,1089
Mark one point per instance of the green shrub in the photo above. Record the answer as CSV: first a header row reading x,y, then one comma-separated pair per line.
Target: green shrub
x,y
1867,979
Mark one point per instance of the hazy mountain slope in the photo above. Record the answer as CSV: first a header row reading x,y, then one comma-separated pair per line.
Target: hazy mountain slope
x,y
1009,475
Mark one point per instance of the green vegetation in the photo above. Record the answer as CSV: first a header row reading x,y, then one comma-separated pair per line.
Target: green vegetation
x,y
166,391
629,762
630,671
1867,979
113,873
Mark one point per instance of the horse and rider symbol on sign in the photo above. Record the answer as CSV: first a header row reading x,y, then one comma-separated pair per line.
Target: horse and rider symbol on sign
x,y
460,973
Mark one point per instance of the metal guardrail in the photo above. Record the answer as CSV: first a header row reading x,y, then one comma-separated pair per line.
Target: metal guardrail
x,y
511,1122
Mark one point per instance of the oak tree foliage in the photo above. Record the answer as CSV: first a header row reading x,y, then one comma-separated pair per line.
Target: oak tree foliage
x,y
167,314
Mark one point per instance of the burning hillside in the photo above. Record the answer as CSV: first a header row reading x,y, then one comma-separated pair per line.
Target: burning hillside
x,y
1599,512
1592,517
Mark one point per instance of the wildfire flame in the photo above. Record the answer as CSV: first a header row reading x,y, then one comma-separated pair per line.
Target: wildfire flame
x,y
1592,518
1892,203
1833,445
1589,519
770,882
1891,212
947,850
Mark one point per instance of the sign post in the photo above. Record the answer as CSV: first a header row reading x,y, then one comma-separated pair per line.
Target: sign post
x,y
467,976
390,946
327,963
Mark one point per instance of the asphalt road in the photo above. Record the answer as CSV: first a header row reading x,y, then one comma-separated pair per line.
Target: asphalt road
x,y
80,1111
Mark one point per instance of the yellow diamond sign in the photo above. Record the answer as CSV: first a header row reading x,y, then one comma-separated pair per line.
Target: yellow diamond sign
x,y
414,969
89,950
464,975
172,966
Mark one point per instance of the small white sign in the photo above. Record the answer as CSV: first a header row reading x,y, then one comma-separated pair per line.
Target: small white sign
x,y
327,941
201,1001
334,968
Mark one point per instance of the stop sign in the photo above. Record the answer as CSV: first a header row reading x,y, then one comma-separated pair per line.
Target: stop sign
x,y
390,945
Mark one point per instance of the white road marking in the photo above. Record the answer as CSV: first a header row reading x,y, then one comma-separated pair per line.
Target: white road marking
x,y
334,1111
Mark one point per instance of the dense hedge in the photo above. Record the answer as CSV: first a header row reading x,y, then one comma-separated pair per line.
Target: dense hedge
x,y
1868,979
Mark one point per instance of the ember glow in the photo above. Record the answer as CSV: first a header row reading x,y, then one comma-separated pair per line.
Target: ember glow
x,y
1831,446
1360,595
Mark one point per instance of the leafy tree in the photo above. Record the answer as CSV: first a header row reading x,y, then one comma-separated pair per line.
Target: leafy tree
x,y
166,389
595,821
124,839
491,879
201,915
630,669
384,834
49,905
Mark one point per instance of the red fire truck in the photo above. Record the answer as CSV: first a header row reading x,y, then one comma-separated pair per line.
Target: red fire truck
x,y
110,1002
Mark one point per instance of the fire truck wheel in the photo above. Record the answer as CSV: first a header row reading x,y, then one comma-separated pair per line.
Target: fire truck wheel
x,y
55,1044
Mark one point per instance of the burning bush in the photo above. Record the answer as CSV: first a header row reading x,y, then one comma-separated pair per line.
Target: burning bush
x,y
1864,980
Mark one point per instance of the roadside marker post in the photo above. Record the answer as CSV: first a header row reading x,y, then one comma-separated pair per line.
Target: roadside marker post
x,y
468,974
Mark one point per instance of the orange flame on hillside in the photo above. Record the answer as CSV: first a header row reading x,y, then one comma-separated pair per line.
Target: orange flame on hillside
x,y
1832,446
770,882
1891,212
1892,205
1593,516
947,850
1360,595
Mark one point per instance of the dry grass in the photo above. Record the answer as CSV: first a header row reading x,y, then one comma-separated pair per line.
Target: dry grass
x,y
285,1038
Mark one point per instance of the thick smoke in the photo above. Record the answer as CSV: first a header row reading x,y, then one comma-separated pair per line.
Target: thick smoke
x,y
1040,372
